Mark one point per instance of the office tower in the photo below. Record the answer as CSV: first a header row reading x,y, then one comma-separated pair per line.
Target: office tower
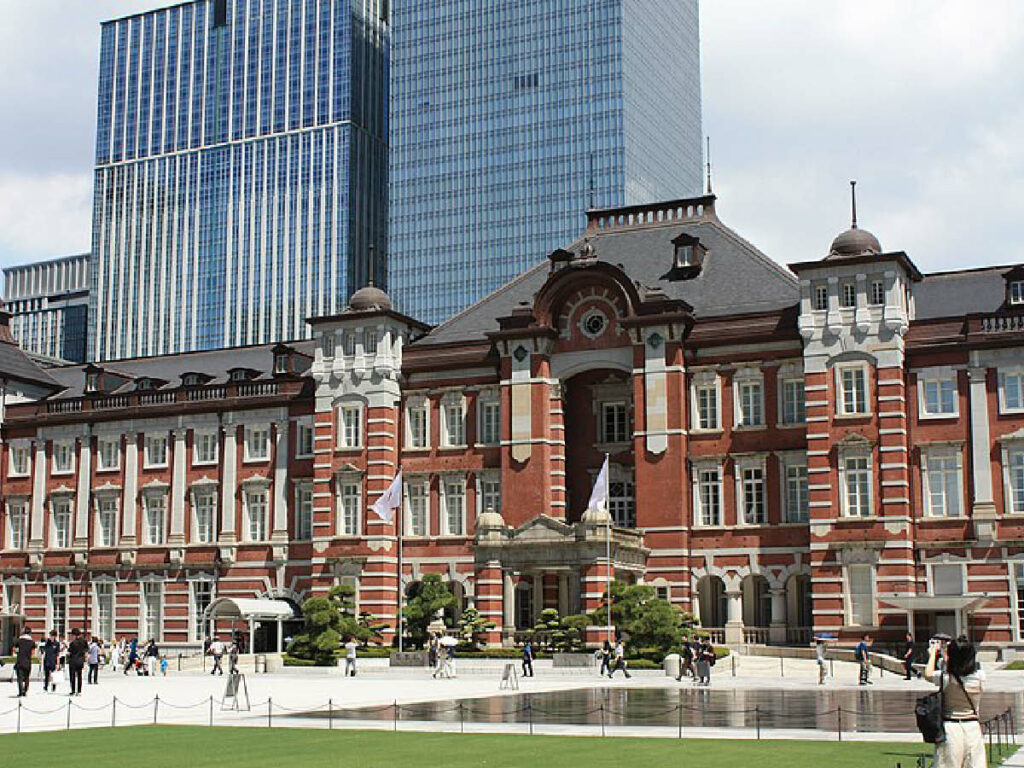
x,y
241,167
510,118
49,306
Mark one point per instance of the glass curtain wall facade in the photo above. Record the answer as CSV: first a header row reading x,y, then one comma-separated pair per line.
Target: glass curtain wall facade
x,y
49,306
510,118
241,171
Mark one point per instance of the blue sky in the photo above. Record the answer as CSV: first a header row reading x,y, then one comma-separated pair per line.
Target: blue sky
x,y
922,101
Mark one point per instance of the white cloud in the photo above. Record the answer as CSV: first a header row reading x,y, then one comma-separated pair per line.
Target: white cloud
x,y
44,216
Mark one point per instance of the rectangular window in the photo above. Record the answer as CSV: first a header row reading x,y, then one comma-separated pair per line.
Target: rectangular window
x,y
854,390
369,342
257,443
106,519
58,594
751,413
256,512
416,500
327,342
417,416
454,518
940,397
19,460
205,447
454,425
857,486
108,451
62,523
707,406
877,292
752,490
614,423
156,451
821,297
202,596
1013,390
156,515
205,511
622,503
304,512
1018,573
947,580
709,497
861,595
17,520
942,483
350,422
103,626
793,402
1017,292
349,342
1015,470
797,505
62,453
849,295
350,505
490,422
490,494
152,609
304,439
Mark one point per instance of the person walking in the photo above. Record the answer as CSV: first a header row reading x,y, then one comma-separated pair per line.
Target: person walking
x,y
23,650
908,657
620,660
528,659
961,685
92,658
48,656
819,657
217,649
432,651
152,657
606,659
685,660
77,651
862,656
233,653
133,655
351,648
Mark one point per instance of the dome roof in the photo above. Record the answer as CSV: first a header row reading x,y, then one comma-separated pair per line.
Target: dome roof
x,y
854,242
489,520
596,516
369,297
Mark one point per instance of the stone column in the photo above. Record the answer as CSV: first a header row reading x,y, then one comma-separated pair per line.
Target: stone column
x,y
229,484
538,595
777,629
37,534
177,536
131,489
734,619
489,585
563,593
83,491
508,608
983,504
280,529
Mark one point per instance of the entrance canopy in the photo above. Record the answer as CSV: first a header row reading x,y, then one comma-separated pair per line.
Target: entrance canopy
x,y
264,609
956,603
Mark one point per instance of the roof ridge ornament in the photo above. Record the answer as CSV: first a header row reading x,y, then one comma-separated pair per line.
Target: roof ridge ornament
x,y
853,203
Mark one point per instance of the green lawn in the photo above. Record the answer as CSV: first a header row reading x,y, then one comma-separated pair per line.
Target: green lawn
x,y
196,747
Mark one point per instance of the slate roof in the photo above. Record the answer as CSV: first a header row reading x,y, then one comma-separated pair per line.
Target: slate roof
x,y
170,368
15,364
736,278
954,294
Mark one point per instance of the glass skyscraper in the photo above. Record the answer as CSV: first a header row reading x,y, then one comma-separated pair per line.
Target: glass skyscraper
x,y
241,171
49,306
510,118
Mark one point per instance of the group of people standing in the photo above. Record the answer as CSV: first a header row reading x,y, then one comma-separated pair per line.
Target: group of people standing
x,y
613,659
696,658
440,657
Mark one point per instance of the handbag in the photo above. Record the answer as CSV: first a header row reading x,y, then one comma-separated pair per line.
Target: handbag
x,y
929,716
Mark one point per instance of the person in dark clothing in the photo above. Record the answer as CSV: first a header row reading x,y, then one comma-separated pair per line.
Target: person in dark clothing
x,y
77,651
606,660
50,651
23,649
528,659
133,655
685,659
908,657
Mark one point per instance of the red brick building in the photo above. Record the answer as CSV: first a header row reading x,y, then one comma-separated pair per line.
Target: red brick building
x,y
834,447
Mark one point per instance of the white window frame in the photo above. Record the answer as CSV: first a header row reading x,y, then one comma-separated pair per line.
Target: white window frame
x,y
148,499
201,439
102,445
741,467
346,440
369,342
303,427
699,469
350,506
66,504
819,290
304,509
937,377
328,344
422,491
205,493
101,500
453,487
63,457
488,430
876,299
51,620
148,443
147,586
848,294
415,408
844,472
791,514
21,504
483,481
1012,453
248,505
848,591
19,448
1017,374
840,383
456,438
705,381
97,628
603,436
195,626
1016,569
1016,292
254,433
944,453
744,378
784,386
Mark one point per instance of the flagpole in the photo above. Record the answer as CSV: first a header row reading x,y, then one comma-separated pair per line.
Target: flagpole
x,y
608,541
400,512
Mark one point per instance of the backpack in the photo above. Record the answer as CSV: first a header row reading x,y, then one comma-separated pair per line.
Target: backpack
x,y
929,716
858,652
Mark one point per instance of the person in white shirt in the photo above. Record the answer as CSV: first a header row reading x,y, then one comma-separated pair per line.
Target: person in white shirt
x,y
217,649
962,684
350,657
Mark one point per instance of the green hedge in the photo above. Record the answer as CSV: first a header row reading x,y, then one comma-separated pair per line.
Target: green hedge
x,y
1015,666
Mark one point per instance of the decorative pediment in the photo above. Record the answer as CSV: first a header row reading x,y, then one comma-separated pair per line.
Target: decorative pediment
x,y
543,528
204,482
156,486
62,490
256,480
855,440
1013,437
107,488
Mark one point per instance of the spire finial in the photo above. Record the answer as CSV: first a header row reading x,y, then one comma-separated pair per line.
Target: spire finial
x,y
373,253
853,203
709,164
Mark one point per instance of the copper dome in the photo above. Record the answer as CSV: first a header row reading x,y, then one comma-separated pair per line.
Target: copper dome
x,y
367,298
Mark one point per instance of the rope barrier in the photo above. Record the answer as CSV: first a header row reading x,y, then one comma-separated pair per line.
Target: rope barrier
x,y
48,712
89,709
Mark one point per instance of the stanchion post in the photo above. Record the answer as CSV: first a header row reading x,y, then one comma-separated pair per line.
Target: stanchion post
x,y
757,721
211,711
602,719
270,712
395,724
462,719
330,714
69,716
529,708
113,713
839,718
679,709
782,667
156,707
19,715
733,659
832,669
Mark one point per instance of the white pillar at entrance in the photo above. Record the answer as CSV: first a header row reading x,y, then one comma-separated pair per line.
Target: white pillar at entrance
x,y
777,629
563,594
983,504
508,606
734,623
281,482
82,494
178,489
228,488
280,636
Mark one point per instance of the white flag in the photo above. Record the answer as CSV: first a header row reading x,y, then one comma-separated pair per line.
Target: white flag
x,y
599,496
390,500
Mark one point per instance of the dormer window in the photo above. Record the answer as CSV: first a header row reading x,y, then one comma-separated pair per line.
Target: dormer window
x,y
684,255
240,374
1017,292
191,380
144,385
281,362
92,381
688,254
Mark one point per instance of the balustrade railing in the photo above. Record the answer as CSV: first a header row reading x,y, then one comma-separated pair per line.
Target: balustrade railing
x,y
1002,323
257,389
